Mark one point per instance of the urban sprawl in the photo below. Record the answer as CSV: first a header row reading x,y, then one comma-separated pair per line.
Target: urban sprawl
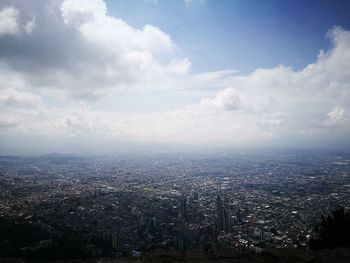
x,y
129,204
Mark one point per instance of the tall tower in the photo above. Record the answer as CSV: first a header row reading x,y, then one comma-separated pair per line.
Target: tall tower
x,y
183,208
220,213
227,220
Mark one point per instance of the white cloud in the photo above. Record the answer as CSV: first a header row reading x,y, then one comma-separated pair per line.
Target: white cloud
x,y
103,53
8,21
6,123
18,99
179,66
336,114
80,10
275,119
283,103
29,26
105,57
225,100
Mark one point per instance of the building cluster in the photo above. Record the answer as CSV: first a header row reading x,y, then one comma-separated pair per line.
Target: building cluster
x,y
137,203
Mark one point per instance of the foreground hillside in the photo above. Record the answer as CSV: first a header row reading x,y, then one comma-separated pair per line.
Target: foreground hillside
x,y
337,255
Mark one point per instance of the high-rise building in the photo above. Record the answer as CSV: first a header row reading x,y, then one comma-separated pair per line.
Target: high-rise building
x,y
195,196
220,211
227,225
183,208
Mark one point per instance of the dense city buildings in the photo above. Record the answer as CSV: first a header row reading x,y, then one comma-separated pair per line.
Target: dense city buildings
x,y
130,204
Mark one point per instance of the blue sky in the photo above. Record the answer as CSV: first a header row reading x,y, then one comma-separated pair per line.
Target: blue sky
x,y
242,35
90,74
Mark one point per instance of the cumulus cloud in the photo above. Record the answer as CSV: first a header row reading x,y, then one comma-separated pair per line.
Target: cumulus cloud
x,y
225,100
179,66
295,99
80,9
275,119
29,26
103,52
19,99
7,123
8,21
336,114
281,103
49,86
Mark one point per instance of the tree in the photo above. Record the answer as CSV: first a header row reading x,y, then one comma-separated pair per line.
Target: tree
x,y
333,231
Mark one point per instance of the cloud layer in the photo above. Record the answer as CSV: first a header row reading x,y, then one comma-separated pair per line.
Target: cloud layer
x,y
58,59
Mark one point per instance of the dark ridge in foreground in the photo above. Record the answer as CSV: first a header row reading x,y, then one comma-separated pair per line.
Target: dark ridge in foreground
x,y
336,255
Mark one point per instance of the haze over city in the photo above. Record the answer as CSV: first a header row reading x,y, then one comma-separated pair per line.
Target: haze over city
x,y
92,76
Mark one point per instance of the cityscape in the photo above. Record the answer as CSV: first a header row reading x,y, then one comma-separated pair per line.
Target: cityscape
x,y
152,131
130,204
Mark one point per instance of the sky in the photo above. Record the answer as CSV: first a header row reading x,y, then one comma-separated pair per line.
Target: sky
x,y
96,76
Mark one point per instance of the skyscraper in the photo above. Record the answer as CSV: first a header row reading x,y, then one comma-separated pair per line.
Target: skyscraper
x,y
227,219
183,208
220,215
